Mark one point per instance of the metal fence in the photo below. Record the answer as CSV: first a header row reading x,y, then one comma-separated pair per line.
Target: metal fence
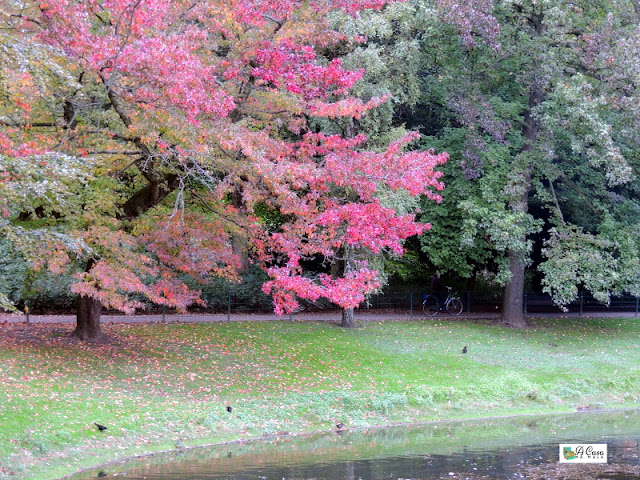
x,y
537,302
487,302
410,302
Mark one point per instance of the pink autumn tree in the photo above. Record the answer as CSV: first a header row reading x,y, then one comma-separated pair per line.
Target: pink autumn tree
x,y
194,117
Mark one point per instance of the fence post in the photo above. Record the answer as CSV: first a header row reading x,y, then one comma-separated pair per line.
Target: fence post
x,y
410,304
468,301
637,298
229,306
581,303
526,300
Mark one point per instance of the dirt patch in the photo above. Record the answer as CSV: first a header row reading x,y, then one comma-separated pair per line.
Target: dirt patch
x,y
46,335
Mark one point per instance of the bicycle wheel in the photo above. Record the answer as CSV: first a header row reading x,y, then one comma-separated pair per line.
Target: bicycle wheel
x,y
454,307
430,306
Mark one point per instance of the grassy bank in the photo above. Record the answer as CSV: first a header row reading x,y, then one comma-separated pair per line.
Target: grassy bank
x,y
158,387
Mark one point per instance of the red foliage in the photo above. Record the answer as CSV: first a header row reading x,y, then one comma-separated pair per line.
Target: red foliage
x,y
234,84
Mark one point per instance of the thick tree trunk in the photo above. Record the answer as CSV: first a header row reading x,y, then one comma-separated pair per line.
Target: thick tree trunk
x,y
337,268
88,314
512,306
512,303
88,318
150,195
347,318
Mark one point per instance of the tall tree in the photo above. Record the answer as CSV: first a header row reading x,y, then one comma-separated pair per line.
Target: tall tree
x,y
535,102
203,119
536,107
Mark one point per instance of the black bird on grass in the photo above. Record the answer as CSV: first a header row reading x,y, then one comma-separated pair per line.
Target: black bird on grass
x,y
340,426
102,428
464,350
229,409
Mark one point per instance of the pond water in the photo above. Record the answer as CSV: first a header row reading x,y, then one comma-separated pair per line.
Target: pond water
x,y
504,448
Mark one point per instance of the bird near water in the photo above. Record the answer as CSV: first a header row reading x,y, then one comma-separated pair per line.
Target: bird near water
x,y
102,428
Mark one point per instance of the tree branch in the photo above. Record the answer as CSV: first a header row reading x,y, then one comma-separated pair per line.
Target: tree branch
x,y
208,206
555,200
115,152
279,23
26,18
636,7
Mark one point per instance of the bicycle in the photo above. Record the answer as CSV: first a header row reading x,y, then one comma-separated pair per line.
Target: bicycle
x,y
431,305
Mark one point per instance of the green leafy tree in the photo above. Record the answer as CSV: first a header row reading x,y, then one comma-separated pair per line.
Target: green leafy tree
x,y
541,117
536,102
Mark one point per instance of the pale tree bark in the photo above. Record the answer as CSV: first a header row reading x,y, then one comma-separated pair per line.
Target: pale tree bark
x,y
348,320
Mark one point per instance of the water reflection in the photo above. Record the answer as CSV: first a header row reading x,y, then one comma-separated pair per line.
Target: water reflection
x,y
514,448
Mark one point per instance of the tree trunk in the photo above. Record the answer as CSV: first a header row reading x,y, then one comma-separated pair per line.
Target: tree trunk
x,y
88,314
88,318
347,318
239,244
512,307
471,282
240,248
149,196
512,303
159,186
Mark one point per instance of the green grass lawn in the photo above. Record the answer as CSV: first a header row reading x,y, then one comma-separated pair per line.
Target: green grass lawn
x,y
159,387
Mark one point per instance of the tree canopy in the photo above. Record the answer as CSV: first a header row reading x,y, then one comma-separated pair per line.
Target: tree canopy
x,y
535,101
144,139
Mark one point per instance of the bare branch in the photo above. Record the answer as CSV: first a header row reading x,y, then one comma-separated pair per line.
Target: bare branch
x,y
208,206
555,200
115,152
279,23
